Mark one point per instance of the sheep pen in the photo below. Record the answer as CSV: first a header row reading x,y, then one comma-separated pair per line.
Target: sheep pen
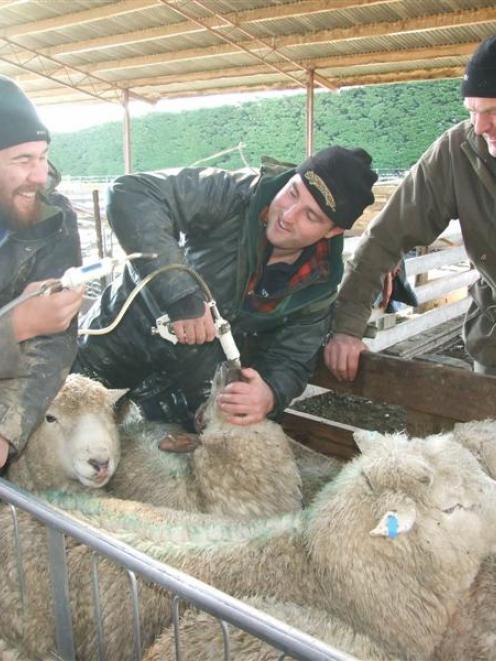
x,y
392,547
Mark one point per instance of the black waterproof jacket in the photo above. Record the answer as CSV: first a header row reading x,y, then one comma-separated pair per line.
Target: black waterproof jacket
x,y
210,220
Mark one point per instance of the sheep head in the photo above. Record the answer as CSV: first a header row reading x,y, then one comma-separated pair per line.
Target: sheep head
x,y
479,436
225,373
411,519
77,440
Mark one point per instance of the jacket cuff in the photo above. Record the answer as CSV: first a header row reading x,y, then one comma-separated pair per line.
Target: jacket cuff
x,y
188,307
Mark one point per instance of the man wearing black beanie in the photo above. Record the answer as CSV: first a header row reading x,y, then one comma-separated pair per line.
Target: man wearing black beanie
x,y
269,247
38,241
454,179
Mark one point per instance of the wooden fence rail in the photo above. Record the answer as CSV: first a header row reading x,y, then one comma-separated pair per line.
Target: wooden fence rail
x,y
434,396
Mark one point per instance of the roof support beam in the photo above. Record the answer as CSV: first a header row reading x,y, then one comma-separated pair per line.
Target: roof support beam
x,y
99,13
385,29
422,57
62,76
250,16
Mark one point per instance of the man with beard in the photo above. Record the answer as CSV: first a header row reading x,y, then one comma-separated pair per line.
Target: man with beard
x,y
269,247
38,242
455,178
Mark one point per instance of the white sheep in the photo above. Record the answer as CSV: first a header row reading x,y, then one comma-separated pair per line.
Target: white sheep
x,y
237,471
200,635
479,436
76,445
392,546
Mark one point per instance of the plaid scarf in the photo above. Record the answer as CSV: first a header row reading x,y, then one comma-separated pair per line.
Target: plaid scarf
x,y
316,267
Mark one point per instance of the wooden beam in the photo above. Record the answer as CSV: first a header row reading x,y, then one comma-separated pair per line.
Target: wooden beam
x,y
99,13
420,386
251,16
418,55
363,31
329,437
421,323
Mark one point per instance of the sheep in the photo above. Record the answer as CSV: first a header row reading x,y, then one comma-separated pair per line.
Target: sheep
x,y
237,471
200,635
315,469
479,436
392,546
76,446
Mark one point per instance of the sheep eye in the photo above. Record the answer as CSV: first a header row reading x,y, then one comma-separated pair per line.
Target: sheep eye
x,y
450,510
50,418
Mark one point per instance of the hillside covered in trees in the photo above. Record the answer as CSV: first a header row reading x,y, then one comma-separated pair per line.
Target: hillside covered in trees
x,y
395,123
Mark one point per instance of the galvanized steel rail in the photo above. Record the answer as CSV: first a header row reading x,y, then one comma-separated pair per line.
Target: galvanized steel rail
x,y
227,609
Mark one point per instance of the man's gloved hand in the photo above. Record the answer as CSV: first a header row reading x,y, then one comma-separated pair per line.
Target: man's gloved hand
x,y
246,402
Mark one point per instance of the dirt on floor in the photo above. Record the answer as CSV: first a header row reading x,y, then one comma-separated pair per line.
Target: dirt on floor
x,y
366,414
355,411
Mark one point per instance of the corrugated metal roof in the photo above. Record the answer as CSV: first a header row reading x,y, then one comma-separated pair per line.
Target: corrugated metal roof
x,y
77,49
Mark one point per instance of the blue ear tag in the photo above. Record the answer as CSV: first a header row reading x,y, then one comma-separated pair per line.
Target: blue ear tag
x,y
392,526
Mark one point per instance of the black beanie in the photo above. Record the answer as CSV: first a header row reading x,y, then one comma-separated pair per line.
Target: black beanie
x,y
341,182
19,121
480,75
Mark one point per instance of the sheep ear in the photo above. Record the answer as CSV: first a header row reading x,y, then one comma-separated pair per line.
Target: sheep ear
x,y
394,522
116,393
366,440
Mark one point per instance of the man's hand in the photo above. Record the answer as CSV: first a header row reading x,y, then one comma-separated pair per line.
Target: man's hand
x,y
342,355
246,402
45,315
195,331
4,451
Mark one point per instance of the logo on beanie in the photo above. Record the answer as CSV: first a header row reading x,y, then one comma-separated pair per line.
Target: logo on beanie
x,y
314,180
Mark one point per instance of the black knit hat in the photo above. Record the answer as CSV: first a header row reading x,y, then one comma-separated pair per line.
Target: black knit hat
x,y
480,75
19,121
341,182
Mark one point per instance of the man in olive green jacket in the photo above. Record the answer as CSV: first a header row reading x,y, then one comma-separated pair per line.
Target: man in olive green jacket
x,y
269,248
38,241
455,178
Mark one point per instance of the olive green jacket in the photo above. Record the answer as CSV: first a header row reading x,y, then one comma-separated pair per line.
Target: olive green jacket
x,y
455,178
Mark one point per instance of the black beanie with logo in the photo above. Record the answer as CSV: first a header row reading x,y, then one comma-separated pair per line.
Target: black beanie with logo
x,y
341,182
480,75
19,121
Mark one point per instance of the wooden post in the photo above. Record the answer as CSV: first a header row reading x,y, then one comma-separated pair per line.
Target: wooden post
x,y
98,224
126,138
310,105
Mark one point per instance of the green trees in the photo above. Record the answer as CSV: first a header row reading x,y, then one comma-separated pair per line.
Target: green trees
x,y
395,123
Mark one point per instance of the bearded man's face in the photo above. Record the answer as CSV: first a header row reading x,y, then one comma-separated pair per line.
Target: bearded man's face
x,y
23,174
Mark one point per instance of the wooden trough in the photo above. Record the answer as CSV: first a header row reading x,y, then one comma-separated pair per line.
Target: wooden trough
x,y
434,396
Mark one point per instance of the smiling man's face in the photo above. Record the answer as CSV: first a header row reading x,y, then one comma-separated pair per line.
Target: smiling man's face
x,y
295,220
483,118
23,174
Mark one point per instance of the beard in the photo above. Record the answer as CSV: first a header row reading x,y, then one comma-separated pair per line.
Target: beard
x,y
17,217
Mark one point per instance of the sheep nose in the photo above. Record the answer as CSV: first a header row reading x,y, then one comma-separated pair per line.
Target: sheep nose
x,y
99,466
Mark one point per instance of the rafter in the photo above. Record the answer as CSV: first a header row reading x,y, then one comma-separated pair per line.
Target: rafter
x,y
78,18
384,29
63,76
290,10
423,57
